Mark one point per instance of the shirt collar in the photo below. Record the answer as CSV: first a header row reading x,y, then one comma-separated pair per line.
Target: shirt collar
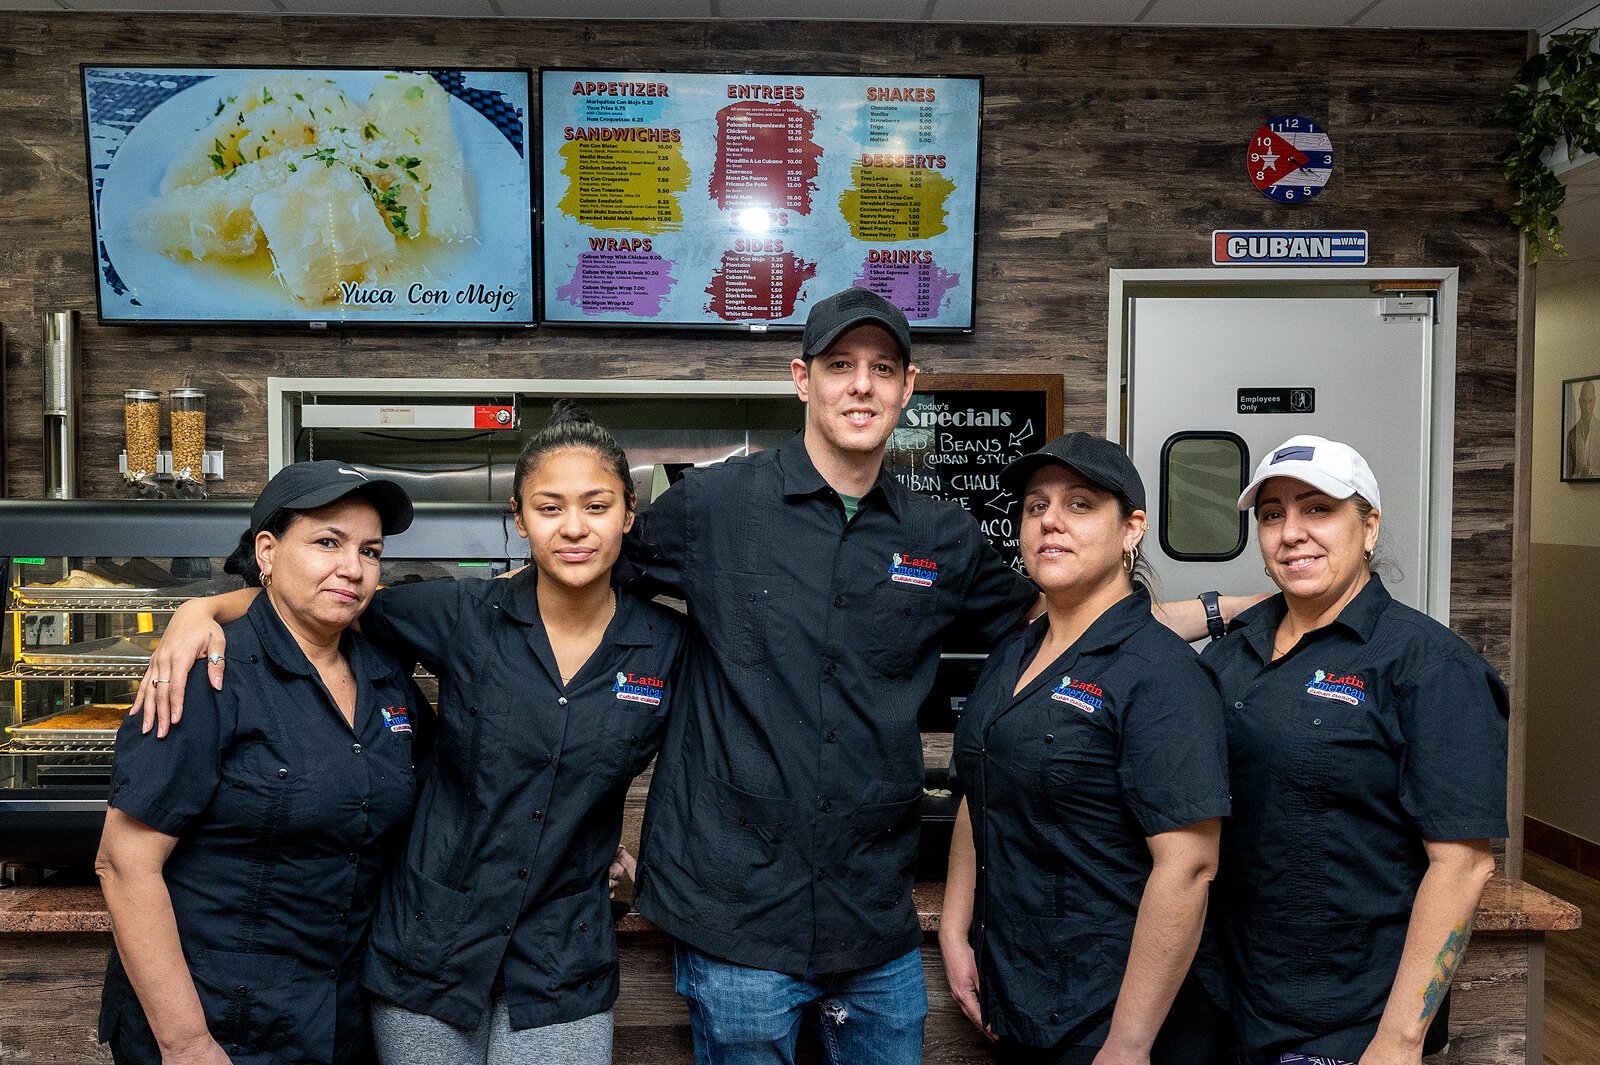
x,y
1360,616
278,643
518,600
800,477
1121,620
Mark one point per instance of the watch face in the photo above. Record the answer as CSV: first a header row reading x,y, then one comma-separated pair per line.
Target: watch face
x,y
1290,158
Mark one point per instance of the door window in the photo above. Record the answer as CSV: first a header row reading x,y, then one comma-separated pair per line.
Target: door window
x,y
1202,474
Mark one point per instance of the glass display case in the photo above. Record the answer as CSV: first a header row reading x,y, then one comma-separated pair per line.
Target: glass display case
x,y
89,587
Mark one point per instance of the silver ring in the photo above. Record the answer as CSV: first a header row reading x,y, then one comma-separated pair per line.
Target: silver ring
x,y
163,680
215,658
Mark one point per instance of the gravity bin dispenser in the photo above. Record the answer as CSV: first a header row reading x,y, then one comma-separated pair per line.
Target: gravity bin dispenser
x,y
458,441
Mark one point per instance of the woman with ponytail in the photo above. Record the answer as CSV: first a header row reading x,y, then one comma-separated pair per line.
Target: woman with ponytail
x,y
493,938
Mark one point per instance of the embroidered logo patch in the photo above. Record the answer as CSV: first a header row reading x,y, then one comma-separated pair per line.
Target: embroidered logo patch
x,y
395,719
923,572
1298,453
636,689
1083,694
1349,688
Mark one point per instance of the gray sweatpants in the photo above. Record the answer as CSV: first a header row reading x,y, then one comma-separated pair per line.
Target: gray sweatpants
x,y
406,1038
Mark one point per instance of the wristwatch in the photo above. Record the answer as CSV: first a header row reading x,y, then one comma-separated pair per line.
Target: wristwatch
x,y
1214,624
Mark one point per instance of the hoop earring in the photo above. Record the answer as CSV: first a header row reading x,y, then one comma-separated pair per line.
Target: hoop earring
x,y
266,581
1129,560
1367,555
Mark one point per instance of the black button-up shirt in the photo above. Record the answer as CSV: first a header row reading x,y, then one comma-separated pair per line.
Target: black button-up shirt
x,y
503,889
1375,733
782,825
1119,739
285,817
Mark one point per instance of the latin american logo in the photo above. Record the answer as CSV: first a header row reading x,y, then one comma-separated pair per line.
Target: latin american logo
x,y
395,719
923,572
1083,694
636,689
1349,688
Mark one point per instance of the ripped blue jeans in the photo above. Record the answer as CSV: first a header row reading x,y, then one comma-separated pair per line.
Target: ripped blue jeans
x,y
744,1016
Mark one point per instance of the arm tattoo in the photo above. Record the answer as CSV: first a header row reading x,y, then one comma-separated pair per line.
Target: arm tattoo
x,y
1444,967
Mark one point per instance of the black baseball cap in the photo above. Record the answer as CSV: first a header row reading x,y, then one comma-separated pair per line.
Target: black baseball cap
x,y
832,316
309,485
1105,464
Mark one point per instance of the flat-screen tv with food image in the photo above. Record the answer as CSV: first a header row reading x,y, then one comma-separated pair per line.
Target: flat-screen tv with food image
x,y
338,196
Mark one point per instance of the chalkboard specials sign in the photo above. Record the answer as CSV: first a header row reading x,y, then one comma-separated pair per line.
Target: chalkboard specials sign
x,y
960,430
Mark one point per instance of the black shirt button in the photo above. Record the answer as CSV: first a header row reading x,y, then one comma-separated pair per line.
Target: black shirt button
x,y
472,711
821,875
241,989
522,874
355,748
282,773
743,822
1049,738
352,858
233,1049
344,918
831,736
838,600
831,668
333,974
537,815
254,659
419,916
1055,1018
505,930
561,701
583,926
365,806
548,759
826,806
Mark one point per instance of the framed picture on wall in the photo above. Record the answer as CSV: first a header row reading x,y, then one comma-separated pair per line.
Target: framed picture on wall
x,y
1580,430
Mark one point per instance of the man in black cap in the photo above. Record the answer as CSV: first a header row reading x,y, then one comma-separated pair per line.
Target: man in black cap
x,y
781,831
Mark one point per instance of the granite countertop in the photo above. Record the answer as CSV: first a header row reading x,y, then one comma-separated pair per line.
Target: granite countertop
x,y
1507,906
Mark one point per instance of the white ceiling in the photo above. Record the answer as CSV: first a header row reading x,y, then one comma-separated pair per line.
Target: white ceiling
x,y
1541,15
1580,230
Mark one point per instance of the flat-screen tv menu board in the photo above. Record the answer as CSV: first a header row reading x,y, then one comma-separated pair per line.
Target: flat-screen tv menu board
x,y
738,200
311,195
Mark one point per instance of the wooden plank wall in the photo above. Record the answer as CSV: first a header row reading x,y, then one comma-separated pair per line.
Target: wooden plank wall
x,y
1102,147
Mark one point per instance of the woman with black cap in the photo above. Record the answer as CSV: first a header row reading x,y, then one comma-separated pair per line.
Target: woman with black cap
x,y
493,939
241,854
1092,758
1368,747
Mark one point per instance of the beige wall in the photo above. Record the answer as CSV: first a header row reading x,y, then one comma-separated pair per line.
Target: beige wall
x,y
1563,758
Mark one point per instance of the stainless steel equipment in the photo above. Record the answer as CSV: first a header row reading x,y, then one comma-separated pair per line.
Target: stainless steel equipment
x,y
61,392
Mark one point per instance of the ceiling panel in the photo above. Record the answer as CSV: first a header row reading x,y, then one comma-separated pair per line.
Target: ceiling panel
x,y
625,9
1254,12
1086,12
869,10
440,8
29,5
233,7
1466,14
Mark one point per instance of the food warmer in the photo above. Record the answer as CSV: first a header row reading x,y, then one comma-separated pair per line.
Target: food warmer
x,y
89,586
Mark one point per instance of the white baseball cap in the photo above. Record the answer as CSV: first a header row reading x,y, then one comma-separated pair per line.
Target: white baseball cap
x,y
1326,465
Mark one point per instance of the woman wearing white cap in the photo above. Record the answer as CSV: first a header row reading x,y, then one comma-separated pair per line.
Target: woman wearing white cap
x,y
1367,755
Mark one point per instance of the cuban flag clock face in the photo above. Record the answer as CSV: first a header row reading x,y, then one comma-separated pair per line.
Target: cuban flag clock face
x,y
1290,158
